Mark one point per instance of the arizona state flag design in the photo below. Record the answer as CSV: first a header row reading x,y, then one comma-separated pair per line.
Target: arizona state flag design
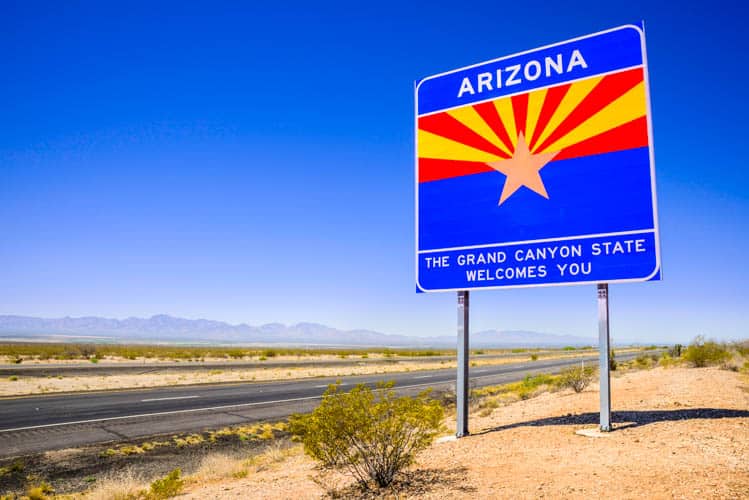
x,y
526,158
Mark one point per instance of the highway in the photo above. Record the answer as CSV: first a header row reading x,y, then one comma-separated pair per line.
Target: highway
x,y
40,423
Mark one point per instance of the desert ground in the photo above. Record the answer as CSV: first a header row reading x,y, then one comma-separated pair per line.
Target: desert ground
x,y
679,433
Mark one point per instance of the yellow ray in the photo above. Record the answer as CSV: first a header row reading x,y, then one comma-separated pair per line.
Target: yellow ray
x,y
504,108
469,117
625,108
438,147
535,102
574,96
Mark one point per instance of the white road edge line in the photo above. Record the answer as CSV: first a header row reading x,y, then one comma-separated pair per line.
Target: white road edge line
x,y
174,412
168,399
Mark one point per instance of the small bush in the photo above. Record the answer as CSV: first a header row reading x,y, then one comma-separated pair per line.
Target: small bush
x,y
675,351
14,468
534,357
742,348
643,361
666,360
235,353
371,434
39,492
530,384
612,361
703,352
576,378
168,486
13,378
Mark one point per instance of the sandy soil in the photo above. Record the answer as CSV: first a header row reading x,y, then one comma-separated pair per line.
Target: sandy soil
x,y
680,433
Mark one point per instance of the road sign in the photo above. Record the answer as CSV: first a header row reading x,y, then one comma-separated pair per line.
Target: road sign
x,y
537,169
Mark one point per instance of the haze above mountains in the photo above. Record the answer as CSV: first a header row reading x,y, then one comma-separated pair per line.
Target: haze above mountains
x,y
168,329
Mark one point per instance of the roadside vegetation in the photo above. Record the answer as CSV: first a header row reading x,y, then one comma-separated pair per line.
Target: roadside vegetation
x,y
371,434
19,352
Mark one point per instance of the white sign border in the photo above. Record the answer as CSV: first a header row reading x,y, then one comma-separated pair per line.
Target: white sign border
x,y
651,152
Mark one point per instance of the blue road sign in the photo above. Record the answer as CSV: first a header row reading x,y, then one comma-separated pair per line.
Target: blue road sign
x,y
537,169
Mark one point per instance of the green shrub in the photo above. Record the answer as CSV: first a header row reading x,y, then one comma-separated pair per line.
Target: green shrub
x,y
39,492
666,360
13,378
675,351
742,348
528,386
576,378
612,361
643,361
703,352
235,353
168,486
14,468
534,357
371,434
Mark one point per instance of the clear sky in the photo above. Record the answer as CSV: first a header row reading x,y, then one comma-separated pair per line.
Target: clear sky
x,y
254,163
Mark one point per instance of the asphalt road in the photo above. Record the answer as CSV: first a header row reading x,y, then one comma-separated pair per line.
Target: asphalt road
x,y
41,423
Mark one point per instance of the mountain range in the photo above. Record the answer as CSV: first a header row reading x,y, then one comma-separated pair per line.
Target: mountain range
x,y
168,329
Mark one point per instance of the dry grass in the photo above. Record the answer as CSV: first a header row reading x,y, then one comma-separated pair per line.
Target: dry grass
x,y
21,352
677,421
213,470
30,385
218,466
117,486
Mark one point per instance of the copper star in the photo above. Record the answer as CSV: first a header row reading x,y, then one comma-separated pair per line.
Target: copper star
x,y
522,170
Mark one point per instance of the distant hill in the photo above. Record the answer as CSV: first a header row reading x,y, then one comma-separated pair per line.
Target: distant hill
x,y
525,338
168,329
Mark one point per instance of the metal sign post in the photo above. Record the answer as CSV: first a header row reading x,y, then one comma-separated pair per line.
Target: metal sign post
x,y
605,353
537,169
461,389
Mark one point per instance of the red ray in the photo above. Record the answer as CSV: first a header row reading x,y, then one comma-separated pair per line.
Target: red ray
x,y
520,110
489,114
630,135
608,89
446,126
431,169
553,97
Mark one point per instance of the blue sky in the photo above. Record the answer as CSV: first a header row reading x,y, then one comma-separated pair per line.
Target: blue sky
x,y
255,163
